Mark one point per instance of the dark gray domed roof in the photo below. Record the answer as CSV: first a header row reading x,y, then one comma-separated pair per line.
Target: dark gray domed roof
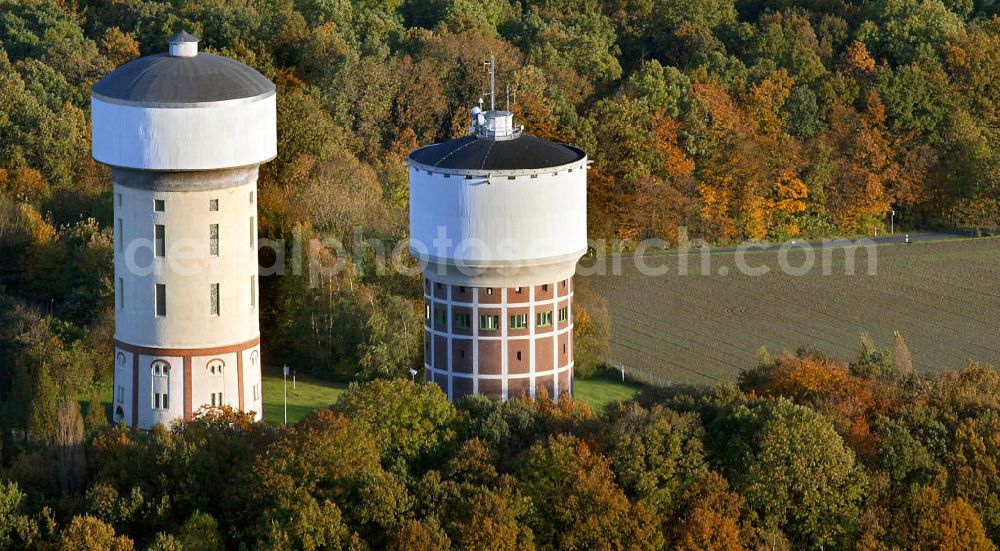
x,y
165,79
474,153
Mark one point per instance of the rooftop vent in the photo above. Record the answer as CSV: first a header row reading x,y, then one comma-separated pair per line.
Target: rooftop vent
x,y
183,44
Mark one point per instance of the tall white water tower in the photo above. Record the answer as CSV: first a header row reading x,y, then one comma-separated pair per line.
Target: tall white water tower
x,y
500,220
184,134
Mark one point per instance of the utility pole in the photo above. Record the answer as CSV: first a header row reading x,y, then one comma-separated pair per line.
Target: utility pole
x,y
284,381
892,223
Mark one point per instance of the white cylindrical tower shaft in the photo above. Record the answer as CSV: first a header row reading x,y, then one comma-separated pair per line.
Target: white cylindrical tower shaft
x,y
184,134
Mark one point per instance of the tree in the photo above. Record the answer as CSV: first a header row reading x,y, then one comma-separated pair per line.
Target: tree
x,y
118,47
591,329
557,34
15,526
87,533
95,413
871,362
420,535
69,438
322,482
793,468
200,532
576,503
710,517
801,114
656,454
858,198
901,456
165,542
901,359
938,523
394,338
44,405
787,40
410,422
493,519
900,30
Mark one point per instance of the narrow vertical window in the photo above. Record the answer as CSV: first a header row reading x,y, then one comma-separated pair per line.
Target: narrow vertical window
x,y
160,385
253,291
161,299
251,197
121,294
214,291
213,240
118,236
253,232
119,197
159,240
159,205
213,205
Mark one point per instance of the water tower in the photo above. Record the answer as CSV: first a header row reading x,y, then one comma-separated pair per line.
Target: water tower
x,y
499,219
184,134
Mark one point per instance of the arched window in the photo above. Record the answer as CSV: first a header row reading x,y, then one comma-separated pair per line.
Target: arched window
x,y
160,384
119,415
215,366
254,357
120,388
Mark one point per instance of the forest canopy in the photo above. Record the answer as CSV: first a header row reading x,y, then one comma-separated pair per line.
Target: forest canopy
x,y
722,120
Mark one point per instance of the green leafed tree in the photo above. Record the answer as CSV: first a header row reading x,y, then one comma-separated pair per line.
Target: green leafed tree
x,y
794,470
409,421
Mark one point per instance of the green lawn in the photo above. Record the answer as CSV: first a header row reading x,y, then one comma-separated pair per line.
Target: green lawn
x,y
308,394
311,394
599,391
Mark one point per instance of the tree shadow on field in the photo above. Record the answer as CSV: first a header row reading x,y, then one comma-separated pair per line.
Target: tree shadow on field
x,y
651,395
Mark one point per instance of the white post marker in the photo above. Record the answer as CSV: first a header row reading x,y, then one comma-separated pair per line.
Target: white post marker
x,y
284,383
892,222
622,367
413,375
293,380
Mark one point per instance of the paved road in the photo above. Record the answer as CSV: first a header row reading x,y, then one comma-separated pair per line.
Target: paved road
x,y
900,238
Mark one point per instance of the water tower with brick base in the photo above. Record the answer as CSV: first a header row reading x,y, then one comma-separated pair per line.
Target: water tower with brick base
x,y
499,219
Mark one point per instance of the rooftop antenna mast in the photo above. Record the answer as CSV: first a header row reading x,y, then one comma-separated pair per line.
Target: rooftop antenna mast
x,y
492,66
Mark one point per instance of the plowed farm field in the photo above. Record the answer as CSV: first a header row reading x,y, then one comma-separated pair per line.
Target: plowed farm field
x,y
944,297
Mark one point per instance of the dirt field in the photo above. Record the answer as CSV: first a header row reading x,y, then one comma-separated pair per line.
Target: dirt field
x,y
943,296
